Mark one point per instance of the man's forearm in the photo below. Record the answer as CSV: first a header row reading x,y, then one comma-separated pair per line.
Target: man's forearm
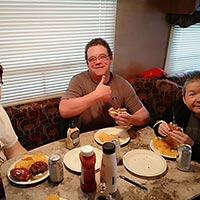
x,y
75,106
140,118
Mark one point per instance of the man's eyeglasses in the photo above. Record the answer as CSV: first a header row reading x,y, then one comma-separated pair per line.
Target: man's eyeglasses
x,y
101,57
1,83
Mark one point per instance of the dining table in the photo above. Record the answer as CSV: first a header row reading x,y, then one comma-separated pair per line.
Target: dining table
x,y
171,184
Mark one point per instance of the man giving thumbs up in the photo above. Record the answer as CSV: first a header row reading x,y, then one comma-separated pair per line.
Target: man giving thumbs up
x,y
92,93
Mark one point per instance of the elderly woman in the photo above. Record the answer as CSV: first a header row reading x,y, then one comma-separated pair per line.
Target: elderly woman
x,y
186,115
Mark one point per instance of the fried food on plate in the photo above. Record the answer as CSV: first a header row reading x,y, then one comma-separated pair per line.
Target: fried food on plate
x,y
27,160
38,167
52,197
104,137
164,147
115,111
30,167
39,156
20,174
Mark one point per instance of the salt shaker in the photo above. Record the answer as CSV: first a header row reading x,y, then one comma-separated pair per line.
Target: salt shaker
x,y
102,193
108,171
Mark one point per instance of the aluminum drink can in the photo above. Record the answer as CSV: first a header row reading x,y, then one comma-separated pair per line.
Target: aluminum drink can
x,y
56,173
183,158
117,150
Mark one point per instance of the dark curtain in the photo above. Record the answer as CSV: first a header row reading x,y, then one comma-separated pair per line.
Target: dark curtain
x,y
183,20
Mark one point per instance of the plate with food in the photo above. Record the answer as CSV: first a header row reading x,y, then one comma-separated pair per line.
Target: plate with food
x,y
144,163
30,169
54,197
166,147
72,161
107,134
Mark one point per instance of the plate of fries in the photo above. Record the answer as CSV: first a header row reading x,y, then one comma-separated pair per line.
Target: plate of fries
x,y
107,134
26,162
161,146
54,197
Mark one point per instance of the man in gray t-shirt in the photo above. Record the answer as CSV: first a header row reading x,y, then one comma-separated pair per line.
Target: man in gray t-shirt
x,y
91,93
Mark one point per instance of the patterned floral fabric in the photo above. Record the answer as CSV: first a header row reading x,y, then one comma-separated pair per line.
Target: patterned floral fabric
x,y
156,95
36,123
39,123
181,77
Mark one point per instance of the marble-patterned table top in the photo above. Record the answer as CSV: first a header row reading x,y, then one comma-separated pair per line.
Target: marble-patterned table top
x,y
173,184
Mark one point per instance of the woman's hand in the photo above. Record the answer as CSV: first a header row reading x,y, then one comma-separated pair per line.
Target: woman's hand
x,y
181,138
177,135
163,129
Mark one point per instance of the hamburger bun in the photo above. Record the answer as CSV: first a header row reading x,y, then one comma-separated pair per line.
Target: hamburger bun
x,y
169,139
171,142
173,127
113,112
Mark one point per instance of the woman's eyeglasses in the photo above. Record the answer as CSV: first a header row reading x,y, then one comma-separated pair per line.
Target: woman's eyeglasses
x,y
101,57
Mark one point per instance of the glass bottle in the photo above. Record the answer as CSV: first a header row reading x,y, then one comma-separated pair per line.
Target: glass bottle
x,y
73,133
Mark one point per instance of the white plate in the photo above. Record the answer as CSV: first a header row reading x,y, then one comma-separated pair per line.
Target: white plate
x,y
124,137
29,182
72,160
157,151
144,163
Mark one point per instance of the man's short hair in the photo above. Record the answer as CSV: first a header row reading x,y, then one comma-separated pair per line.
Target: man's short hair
x,y
95,42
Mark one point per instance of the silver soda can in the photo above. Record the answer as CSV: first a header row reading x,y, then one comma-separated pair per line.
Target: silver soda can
x,y
56,173
183,158
117,150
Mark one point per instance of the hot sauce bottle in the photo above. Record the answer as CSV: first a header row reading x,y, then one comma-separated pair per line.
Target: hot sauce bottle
x,y
88,160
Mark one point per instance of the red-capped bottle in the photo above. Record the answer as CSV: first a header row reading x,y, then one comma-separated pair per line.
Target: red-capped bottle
x,y
88,160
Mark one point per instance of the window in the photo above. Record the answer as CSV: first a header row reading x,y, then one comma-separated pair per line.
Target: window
x,y
42,43
184,49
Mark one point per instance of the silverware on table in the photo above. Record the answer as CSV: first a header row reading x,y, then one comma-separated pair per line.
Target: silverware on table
x,y
133,182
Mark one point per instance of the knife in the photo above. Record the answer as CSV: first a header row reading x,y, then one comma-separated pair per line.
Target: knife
x,y
133,182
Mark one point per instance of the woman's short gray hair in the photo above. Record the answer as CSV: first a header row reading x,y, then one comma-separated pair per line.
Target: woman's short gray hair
x,y
193,76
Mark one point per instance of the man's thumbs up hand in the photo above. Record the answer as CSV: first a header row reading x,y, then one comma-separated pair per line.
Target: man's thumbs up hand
x,y
102,80
103,91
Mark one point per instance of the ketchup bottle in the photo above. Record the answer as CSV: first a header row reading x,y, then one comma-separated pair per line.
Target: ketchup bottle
x,y
88,160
